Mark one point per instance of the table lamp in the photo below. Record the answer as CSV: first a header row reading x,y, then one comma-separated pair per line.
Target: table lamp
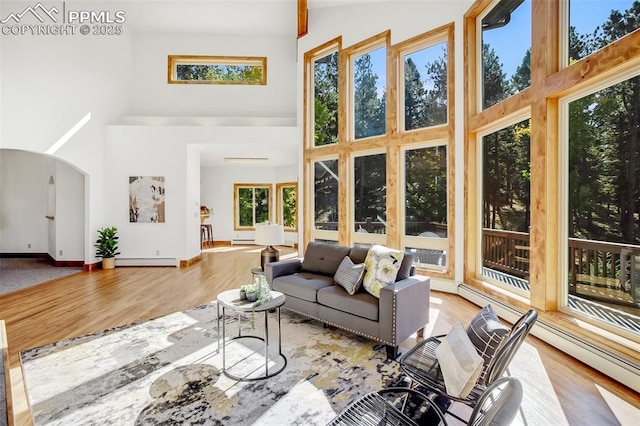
x,y
269,234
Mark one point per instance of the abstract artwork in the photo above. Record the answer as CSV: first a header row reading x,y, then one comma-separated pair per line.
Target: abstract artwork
x,y
146,199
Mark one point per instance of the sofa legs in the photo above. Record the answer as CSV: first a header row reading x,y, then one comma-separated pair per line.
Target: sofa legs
x,y
421,332
392,352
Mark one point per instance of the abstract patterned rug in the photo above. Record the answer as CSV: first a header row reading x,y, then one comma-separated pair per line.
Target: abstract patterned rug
x,y
166,371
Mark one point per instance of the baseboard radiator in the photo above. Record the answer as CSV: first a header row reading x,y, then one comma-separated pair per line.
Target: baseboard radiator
x,y
147,261
242,242
621,369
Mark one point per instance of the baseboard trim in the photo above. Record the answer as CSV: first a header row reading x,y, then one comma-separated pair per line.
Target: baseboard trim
x,y
48,257
222,243
189,262
92,266
607,362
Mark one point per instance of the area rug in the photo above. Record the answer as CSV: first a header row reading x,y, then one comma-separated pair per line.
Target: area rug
x,y
166,371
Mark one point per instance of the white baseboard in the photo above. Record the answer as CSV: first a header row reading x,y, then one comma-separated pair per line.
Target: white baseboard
x,y
620,369
147,261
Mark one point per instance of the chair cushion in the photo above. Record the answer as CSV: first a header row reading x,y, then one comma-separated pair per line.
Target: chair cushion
x,y
382,265
323,258
361,304
487,334
349,275
303,285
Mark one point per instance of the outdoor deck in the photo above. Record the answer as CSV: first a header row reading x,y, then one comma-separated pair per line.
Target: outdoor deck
x,y
598,310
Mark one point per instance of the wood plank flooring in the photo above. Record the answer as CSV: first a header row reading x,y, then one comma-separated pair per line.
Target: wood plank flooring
x,y
93,301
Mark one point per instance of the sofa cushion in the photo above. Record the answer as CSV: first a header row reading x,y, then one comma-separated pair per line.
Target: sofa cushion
x,y
323,258
349,275
382,265
302,285
358,254
361,304
405,267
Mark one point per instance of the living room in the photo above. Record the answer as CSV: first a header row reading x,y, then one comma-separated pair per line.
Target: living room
x,y
129,121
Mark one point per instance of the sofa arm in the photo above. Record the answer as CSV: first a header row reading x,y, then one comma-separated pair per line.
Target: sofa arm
x,y
404,308
285,267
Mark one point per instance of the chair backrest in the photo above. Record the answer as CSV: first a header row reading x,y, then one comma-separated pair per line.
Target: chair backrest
x,y
506,352
498,404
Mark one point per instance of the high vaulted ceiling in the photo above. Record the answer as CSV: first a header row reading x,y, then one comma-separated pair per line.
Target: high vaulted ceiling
x,y
274,17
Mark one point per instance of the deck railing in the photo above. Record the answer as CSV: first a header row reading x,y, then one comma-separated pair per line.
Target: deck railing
x,y
612,266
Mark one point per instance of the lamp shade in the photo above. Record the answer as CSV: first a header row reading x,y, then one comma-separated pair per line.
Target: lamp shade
x,y
269,234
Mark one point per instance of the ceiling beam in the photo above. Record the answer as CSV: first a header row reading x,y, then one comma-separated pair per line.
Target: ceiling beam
x,y
303,14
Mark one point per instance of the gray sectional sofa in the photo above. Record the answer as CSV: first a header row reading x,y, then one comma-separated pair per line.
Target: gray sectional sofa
x,y
308,283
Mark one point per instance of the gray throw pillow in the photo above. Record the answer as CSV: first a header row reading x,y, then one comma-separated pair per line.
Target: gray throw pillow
x,y
487,334
349,275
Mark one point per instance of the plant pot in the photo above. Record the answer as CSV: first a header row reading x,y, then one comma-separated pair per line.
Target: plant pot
x,y
252,297
108,262
243,295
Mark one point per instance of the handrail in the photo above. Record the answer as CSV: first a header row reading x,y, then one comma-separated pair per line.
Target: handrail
x,y
610,265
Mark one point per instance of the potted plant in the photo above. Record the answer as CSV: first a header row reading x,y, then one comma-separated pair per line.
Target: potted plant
x,y
107,247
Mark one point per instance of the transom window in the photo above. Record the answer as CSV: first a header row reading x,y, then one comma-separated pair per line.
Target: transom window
x,y
217,70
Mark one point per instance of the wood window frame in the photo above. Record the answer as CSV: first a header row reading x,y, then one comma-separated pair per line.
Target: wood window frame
x,y
174,60
549,83
280,204
236,211
391,143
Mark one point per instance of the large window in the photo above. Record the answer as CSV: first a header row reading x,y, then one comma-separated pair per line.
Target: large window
x,y
325,100
556,212
603,200
506,50
252,205
426,212
425,87
506,205
184,69
287,205
325,189
595,24
356,181
369,93
370,194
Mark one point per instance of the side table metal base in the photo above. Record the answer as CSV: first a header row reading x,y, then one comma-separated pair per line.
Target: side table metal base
x,y
267,374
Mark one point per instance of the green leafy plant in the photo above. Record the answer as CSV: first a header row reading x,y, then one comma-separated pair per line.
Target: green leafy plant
x,y
107,243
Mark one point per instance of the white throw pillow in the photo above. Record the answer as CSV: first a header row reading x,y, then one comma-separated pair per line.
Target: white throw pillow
x,y
382,265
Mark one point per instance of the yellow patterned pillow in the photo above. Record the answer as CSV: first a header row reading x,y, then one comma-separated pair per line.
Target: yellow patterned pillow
x,y
382,264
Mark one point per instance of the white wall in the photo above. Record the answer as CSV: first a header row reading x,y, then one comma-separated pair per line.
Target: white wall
x,y
48,83
153,96
70,214
24,180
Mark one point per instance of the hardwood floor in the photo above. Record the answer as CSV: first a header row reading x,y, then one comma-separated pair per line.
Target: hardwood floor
x,y
93,301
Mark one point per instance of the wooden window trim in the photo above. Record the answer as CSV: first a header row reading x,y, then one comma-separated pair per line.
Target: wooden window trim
x,y
236,217
174,60
391,143
279,204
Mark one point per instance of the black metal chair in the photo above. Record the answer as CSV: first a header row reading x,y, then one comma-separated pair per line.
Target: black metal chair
x,y
375,409
421,365
498,404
